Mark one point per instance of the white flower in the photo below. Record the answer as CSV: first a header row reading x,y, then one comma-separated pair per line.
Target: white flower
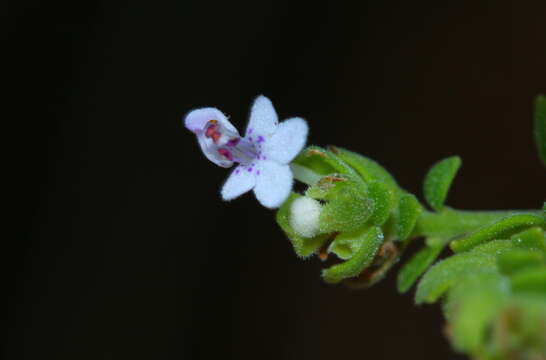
x,y
263,154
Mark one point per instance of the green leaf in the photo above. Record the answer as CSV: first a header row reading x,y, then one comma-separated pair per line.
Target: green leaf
x,y
438,181
471,306
418,264
540,126
446,273
383,202
367,168
501,229
409,210
321,162
346,244
530,280
303,247
518,329
517,259
531,239
371,240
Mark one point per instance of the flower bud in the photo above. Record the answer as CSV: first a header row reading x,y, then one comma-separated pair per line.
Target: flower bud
x,y
304,216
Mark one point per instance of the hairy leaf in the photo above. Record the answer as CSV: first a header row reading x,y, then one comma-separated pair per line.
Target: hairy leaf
x,y
471,306
499,230
438,181
367,168
409,210
446,273
531,239
531,279
418,264
540,126
518,330
517,259
383,202
346,244
371,240
322,162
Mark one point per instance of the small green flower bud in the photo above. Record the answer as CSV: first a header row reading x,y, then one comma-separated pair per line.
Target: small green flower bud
x,y
347,204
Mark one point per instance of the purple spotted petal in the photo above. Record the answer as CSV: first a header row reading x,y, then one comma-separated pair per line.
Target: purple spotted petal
x,y
239,182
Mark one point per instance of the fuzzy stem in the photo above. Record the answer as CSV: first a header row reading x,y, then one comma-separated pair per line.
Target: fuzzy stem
x,y
451,222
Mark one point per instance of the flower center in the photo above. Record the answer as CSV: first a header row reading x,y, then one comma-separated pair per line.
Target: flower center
x,y
229,144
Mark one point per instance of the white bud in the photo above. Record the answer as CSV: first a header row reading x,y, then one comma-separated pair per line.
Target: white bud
x,y
304,216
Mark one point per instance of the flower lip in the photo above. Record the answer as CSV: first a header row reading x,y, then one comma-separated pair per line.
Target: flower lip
x,y
228,144
196,120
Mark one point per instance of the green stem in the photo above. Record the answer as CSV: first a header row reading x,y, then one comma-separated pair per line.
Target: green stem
x,y
450,222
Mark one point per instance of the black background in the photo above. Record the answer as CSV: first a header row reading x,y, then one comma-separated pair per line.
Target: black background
x,y
123,248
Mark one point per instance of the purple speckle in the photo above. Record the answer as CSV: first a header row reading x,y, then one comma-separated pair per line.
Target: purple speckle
x,y
250,131
260,139
233,142
258,172
249,169
237,171
263,157
250,138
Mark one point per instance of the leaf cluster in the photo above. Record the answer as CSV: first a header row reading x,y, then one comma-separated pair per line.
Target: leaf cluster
x,y
493,286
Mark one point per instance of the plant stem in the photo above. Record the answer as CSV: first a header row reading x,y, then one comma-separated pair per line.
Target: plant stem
x,y
451,222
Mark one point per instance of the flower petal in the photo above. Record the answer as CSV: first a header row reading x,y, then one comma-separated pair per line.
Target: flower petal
x,y
273,183
211,152
196,119
239,182
287,141
263,118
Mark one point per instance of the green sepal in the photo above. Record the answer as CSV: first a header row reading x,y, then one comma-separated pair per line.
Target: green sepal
x,y
438,181
518,259
322,162
471,307
409,210
329,187
418,264
347,204
531,279
531,239
501,229
371,239
540,126
303,247
346,244
367,168
446,273
386,258
383,202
